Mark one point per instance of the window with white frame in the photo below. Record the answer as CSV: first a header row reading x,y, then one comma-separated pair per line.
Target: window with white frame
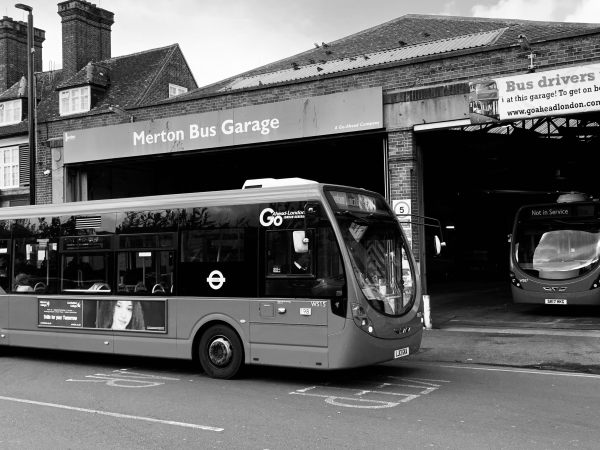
x,y
9,167
176,90
10,112
73,101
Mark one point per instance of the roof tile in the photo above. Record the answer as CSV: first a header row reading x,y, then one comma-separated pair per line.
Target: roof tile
x,y
369,59
406,31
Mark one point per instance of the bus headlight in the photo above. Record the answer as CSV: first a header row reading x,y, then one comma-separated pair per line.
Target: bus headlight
x,y
360,317
358,312
515,282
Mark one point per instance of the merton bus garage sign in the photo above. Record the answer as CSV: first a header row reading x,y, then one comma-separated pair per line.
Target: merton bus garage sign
x,y
556,92
344,112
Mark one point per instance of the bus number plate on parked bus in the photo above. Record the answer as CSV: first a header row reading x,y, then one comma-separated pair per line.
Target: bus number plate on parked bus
x,y
556,301
401,352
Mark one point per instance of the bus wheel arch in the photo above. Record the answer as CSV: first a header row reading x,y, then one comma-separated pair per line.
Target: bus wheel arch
x,y
219,350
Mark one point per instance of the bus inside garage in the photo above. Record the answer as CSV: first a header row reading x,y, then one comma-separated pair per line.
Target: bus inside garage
x,y
476,177
352,160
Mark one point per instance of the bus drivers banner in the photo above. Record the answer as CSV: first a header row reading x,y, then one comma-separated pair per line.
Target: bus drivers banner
x,y
556,92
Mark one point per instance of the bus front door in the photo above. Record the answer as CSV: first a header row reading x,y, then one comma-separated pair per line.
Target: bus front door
x,y
289,333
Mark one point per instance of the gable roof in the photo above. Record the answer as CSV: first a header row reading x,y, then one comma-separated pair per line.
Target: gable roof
x,y
126,81
368,59
402,39
17,90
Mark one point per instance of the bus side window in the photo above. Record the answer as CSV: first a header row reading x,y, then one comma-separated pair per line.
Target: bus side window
x,y
145,272
35,263
83,271
320,275
4,267
288,253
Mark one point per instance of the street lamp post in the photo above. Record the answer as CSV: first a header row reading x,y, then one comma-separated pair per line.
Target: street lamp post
x,y
30,100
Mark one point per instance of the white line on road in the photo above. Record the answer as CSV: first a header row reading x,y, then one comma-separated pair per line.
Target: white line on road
x,y
533,372
112,414
423,380
524,331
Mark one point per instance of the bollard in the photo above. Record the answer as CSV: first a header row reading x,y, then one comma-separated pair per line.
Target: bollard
x,y
426,312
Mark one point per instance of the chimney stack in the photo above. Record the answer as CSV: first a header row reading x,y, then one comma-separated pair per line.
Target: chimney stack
x,y
13,51
85,34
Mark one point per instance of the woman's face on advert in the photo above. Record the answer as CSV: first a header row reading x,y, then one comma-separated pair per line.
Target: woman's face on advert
x,y
122,314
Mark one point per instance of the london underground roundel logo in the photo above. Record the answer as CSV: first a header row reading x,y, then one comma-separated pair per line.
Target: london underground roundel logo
x,y
216,280
267,218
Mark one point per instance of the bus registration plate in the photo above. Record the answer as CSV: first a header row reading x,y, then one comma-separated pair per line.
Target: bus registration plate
x,y
556,301
401,352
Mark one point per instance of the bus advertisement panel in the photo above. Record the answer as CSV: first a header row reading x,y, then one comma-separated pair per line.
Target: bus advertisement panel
x,y
109,314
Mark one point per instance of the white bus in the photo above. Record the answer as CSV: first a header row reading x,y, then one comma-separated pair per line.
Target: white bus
x,y
555,253
299,274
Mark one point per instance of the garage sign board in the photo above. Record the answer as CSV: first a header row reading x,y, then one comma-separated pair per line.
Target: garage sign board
x,y
556,92
343,112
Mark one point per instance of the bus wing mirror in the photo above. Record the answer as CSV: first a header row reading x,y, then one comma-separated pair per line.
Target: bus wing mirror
x,y
438,245
300,242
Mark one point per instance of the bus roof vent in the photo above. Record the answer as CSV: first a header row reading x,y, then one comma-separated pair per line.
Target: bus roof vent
x,y
272,182
569,197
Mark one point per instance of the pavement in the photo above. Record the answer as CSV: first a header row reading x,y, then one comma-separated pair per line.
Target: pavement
x,y
479,324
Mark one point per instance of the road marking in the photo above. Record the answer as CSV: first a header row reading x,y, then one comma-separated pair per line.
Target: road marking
x,y
349,402
524,331
126,379
113,414
418,383
534,372
402,391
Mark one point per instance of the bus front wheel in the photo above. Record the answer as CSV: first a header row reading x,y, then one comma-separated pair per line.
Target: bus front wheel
x,y
220,352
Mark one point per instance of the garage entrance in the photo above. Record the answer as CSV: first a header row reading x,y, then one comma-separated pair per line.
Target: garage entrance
x,y
475,179
356,160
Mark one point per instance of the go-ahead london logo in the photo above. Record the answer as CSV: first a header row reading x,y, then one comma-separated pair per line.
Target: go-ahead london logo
x,y
269,216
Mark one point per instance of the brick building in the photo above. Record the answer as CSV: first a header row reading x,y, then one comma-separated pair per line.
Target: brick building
x,y
400,108
92,89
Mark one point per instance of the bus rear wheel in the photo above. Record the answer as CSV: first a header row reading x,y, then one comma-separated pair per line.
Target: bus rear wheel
x,y
220,352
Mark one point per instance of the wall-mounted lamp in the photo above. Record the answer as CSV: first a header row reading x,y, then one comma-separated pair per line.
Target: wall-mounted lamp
x,y
531,66
525,45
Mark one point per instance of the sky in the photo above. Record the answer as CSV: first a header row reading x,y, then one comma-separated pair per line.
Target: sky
x,y
221,39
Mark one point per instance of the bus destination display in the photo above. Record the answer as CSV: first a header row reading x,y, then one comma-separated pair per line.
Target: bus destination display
x,y
554,211
353,201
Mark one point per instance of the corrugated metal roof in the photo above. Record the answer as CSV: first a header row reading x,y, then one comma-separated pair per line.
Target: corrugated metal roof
x,y
368,60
